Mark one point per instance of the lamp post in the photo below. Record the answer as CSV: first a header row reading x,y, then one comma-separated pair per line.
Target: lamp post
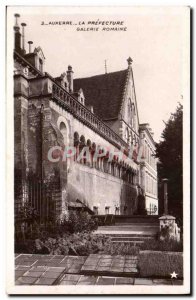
x,y
165,183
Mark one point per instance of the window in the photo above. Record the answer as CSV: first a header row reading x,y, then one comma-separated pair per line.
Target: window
x,y
107,209
133,115
117,210
95,210
40,65
127,135
63,130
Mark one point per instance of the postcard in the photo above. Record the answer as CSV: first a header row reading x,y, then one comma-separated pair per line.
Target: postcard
x,y
98,159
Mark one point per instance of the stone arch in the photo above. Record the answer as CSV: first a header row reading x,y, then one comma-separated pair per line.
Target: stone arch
x,y
82,140
89,143
94,146
64,128
76,138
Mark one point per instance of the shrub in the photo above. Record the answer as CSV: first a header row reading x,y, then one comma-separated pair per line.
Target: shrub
x,y
120,249
160,264
81,244
165,245
78,222
26,226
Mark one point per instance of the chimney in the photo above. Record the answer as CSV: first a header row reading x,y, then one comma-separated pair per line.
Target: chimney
x,y
17,35
30,43
70,78
129,60
23,36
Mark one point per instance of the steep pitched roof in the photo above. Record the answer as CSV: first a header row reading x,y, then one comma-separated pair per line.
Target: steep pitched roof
x,y
104,92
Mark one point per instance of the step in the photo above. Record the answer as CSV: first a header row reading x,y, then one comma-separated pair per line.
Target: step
x,y
134,224
129,242
128,234
127,226
129,229
131,238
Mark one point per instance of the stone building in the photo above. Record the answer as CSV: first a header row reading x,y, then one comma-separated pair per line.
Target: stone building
x,y
94,121
148,169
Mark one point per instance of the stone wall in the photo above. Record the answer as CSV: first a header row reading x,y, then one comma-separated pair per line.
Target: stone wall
x,y
40,123
96,188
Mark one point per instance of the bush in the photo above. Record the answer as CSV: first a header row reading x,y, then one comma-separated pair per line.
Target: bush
x,y
165,245
81,244
120,249
160,264
73,223
60,238
78,222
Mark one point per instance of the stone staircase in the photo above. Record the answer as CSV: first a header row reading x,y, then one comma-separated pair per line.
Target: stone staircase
x,y
134,230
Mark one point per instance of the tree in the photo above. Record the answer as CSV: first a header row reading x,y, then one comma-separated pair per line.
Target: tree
x,y
170,153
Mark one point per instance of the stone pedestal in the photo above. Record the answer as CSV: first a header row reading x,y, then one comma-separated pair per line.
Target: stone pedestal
x,y
168,228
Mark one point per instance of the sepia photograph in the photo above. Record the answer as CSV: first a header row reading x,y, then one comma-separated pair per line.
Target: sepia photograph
x,y
98,138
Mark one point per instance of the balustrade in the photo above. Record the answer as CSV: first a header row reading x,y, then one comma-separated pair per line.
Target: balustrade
x,y
65,99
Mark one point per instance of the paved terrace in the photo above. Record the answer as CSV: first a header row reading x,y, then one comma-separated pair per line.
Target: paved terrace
x,y
96,269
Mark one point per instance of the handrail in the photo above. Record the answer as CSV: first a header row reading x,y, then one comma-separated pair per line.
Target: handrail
x,y
83,112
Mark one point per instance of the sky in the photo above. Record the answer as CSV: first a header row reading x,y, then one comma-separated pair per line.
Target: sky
x,y
155,39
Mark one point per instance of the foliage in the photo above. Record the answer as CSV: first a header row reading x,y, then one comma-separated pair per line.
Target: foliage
x,y
169,152
27,227
120,249
70,235
27,214
165,245
81,244
78,222
160,264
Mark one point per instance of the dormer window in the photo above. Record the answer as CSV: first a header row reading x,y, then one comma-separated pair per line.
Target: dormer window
x,y
40,65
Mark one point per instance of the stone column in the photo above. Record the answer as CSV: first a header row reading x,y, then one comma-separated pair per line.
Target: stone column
x,y
165,182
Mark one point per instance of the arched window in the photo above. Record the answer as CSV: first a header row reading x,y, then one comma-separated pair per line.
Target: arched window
x,y
76,144
82,140
92,154
76,138
63,130
88,143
